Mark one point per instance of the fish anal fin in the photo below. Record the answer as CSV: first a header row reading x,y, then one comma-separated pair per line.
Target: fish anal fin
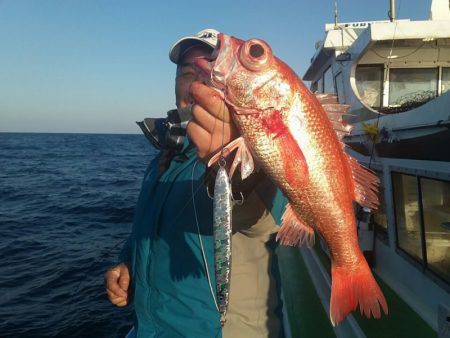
x,y
294,231
366,184
352,287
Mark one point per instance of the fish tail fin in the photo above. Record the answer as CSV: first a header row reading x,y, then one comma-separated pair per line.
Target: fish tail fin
x,y
350,288
294,231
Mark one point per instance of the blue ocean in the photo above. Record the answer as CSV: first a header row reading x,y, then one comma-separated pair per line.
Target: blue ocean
x,y
66,208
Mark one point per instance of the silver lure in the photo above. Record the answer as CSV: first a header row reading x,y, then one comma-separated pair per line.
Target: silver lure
x,y
222,226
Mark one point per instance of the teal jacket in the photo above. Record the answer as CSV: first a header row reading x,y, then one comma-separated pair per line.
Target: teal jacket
x,y
172,297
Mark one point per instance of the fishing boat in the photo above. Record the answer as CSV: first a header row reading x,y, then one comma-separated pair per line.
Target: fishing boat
x,y
395,75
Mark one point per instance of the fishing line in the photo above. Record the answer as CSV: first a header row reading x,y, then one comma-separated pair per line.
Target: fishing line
x,y
385,76
222,161
397,57
379,115
200,237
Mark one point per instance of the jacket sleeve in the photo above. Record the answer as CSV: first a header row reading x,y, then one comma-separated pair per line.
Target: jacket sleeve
x,y
153,167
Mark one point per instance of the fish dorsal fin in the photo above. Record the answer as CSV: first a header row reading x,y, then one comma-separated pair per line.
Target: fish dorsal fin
x,y
335,112
365,181
366,184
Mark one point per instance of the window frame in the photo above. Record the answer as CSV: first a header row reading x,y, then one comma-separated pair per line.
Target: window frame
x,y
381,232
394,202
423,263
441,73
340,96
438,80
381,67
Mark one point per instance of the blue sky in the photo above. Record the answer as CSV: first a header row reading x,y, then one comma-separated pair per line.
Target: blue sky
x,y
99,65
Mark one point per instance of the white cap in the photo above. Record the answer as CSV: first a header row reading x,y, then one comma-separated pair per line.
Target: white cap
x,y
206,37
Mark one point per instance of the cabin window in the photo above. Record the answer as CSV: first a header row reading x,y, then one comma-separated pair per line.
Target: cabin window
x,y
369,82
407,214
328,84
412,86
379,217
422,215
436,217
339,87
445,80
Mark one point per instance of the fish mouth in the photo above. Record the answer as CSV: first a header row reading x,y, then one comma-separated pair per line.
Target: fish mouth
x,y
215,69
218,79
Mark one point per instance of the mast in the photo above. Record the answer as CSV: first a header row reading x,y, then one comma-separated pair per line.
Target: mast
x,y
392,11
335,15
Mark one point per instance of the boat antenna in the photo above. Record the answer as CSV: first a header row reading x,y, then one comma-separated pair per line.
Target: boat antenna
x,y
335,15
392,11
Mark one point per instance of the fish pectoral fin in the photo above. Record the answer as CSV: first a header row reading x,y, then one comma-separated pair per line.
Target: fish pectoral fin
x,y
293,230
366,184
243,157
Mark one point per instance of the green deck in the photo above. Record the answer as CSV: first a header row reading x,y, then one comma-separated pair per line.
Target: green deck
x,y
307,317
402,321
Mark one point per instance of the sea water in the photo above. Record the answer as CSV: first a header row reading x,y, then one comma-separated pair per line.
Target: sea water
x,y
66,207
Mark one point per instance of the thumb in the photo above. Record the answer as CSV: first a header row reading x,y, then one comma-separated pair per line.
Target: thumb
x,y
124,279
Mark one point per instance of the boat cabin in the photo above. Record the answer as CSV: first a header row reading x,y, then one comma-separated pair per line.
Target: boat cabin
x,y
395,75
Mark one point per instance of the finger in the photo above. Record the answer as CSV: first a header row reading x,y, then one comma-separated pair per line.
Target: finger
x,y
209,122
210,100
203,118
111,275
113,298
113,285
200,137
122,304
124,280
120,301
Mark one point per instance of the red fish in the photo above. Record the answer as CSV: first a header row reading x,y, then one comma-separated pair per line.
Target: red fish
x,y
295,137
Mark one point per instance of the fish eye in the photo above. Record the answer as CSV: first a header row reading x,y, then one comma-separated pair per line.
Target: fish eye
x,y
256,50
255,55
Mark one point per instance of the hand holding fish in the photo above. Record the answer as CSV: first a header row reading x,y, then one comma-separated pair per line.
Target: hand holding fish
x,y
211,124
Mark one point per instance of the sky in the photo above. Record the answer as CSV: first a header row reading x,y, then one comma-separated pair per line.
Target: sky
x,y
97,66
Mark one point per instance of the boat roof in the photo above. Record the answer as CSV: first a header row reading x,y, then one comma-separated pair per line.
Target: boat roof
x,y
355,37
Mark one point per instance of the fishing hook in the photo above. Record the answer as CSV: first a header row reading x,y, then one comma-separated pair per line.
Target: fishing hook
x,y
239,201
